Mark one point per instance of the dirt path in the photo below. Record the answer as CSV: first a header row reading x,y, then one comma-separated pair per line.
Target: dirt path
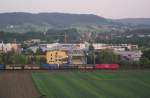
x,y
17,85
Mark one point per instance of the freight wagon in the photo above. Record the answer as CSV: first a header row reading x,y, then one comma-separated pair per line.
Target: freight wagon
x,y
49,66
31,67
13,67
86,66
67,66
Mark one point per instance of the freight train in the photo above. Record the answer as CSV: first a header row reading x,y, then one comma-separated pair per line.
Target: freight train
x,y
60,67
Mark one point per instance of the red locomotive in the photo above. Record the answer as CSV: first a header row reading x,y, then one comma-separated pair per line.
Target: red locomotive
x,y
107,66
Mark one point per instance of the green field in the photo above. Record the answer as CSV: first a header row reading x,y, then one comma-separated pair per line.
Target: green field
x,y
132,84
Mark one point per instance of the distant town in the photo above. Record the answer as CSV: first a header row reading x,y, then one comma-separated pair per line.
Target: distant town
x,y
69,53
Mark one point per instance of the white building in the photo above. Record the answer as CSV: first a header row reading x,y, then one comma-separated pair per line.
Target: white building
x,y
130,55
4,48
97,46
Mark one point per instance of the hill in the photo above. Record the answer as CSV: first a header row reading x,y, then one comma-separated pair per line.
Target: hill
x,y
23,22
27,22
51,18
134,21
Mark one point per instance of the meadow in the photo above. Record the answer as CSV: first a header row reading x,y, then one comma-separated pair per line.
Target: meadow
x,y
77,84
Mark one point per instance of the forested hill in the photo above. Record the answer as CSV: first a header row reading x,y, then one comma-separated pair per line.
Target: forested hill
x,y
49,18
27,22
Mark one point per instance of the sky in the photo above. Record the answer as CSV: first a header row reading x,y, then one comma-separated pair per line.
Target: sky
x,y
106,8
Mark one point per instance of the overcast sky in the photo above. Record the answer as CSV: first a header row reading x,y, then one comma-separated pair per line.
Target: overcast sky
x,y
105,8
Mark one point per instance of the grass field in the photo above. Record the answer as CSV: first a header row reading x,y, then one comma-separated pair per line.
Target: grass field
x,y
132,84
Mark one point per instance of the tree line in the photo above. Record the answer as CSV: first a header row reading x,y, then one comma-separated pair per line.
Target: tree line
x,y
50,36
109,57
27,57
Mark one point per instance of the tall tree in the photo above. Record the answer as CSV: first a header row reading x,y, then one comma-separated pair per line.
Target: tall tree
x,y
1,59
39,51
146,54
107,56
91,54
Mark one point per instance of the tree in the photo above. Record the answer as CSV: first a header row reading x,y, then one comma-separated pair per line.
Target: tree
x,y
28,52
107,56
145,59
91,54
18,59
39,51
40,60
91,47
146,54
145,62
6,57
1,59
97,59
90,58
